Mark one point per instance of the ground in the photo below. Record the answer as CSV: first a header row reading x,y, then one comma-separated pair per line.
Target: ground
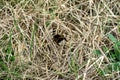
x,y
59,39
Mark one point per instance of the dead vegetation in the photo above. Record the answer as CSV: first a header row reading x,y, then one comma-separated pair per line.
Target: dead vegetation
x,y
27,47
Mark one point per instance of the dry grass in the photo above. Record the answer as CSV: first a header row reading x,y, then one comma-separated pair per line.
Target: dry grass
x,y
27,49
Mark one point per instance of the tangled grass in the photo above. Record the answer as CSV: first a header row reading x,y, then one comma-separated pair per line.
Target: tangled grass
x,y
29,52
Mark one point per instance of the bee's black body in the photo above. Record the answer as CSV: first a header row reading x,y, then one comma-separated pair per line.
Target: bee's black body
x,y
58,38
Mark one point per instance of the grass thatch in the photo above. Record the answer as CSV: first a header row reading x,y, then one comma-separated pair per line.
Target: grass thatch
x,y
91,29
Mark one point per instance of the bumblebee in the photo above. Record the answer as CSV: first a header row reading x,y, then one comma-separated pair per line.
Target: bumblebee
x,y
58,38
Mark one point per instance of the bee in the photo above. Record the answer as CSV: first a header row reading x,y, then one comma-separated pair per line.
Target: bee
x,y
58,38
